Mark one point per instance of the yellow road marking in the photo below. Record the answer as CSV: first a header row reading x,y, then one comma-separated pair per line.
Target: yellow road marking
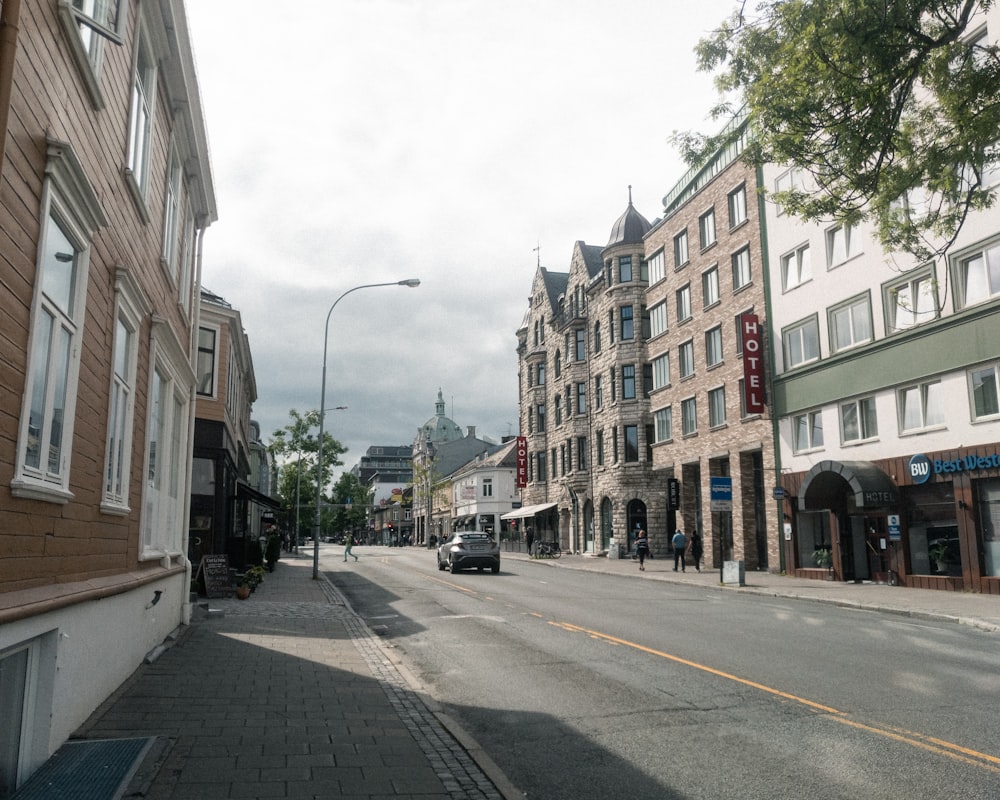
x,y
451,585
928,743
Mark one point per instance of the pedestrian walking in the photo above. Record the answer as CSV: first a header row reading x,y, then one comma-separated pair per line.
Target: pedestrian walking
x,y
530,539
696,549
347,548
642,548
680,544
272,551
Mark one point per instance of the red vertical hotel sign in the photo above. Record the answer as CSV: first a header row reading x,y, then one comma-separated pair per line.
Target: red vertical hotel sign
x,y
753,364
521,449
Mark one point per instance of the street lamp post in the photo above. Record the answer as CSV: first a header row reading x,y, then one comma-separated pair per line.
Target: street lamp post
x,y
412,283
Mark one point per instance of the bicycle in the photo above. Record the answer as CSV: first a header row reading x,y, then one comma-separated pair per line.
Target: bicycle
x,y
547,550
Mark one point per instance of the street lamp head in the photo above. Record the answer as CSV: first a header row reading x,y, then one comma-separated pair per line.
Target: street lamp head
x,y
413,283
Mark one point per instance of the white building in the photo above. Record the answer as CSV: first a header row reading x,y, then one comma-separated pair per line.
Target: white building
x,y
886,385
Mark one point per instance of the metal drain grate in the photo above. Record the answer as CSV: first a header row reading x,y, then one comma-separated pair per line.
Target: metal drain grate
x,y
97,769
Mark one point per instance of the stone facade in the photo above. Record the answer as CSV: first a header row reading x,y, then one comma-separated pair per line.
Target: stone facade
x,y
583,398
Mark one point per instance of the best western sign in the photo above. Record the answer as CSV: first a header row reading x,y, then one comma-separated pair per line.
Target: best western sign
x,y
922,467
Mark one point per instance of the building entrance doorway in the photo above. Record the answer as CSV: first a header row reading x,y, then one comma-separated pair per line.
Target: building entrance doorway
x,y
864,548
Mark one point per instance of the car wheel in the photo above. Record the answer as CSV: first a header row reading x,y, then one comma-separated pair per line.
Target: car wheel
x,y
441,565
452,566
495,569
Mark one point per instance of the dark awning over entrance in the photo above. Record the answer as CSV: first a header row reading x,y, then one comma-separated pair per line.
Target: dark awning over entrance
x,y
871,487
244,490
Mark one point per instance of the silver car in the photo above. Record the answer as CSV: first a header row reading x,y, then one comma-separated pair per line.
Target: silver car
x,y
468,549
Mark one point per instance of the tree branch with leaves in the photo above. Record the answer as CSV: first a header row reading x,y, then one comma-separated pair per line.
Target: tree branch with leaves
x,y
295,448
893,107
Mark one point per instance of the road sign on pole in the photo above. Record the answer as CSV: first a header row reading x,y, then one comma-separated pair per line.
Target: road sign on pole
x,y
720,493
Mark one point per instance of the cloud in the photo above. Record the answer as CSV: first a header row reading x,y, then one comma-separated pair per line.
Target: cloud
x,y
364,141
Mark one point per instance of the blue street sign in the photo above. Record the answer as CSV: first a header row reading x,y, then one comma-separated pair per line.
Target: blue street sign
x,y
720,493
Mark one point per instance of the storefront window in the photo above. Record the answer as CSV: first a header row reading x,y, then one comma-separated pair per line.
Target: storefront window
x,y
814,542
933,531
989,525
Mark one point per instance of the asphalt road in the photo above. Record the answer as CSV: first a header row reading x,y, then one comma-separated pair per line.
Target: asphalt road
x,y
585,685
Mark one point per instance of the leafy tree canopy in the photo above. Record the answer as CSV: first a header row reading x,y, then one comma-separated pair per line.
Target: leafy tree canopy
x,y
879,100
353,499
295,448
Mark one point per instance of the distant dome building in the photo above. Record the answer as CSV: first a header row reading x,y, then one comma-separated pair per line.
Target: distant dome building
x,y
439,428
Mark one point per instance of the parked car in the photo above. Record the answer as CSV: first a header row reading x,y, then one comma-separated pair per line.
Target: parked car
x,y
468,549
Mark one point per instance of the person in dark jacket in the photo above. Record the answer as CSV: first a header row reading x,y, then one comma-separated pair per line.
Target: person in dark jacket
x,y
642,548
696,549
272,551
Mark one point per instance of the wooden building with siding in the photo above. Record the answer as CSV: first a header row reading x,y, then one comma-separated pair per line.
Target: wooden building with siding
x,y
105,192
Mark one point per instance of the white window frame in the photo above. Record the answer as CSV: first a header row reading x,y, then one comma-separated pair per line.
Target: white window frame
x,y
925,401
713,346
130,306
661,371
689,416
843,242
658,320
991,387
707,234
685,358
141,114
105,17
684,306
656,269
737,202
172,248
69,206
681,251
796,267
742,275
798,333
857,314
710,294
663,420
864,412
988,270
167,446
901,313
791,179
88,25
807,432
717,407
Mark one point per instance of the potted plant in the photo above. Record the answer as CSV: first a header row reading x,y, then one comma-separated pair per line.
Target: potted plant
x,y
823,558
939,555
242,590
254,577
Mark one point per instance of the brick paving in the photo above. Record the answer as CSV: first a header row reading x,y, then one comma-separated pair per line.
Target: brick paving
x,y
287,695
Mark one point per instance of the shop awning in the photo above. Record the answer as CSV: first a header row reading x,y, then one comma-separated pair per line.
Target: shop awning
x,y
527,511
244,490
871,487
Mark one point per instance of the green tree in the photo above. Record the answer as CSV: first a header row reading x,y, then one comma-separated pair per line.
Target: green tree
x,y
352,500
294,448
893,106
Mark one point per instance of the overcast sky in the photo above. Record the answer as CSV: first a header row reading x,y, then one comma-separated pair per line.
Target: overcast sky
x,y
367,141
